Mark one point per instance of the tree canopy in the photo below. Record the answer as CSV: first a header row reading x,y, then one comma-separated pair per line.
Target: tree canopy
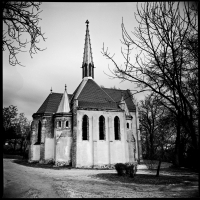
x,y
20,19
161,56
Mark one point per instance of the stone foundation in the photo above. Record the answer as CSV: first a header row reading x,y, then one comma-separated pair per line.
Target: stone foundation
x,y
62,163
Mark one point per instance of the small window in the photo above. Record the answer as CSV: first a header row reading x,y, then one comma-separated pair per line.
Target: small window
x,y
101,128
85,128
127,125
67,124
117,128
59,124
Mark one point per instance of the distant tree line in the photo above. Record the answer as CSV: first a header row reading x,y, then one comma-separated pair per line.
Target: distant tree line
x,y
16,131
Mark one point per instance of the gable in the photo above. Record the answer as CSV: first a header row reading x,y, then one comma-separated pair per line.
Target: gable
x,y
91,95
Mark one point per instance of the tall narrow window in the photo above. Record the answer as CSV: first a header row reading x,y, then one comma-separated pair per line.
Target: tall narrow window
x,y
90,74
83,72
39,132
67,124
127,125
85,127
86,70
59,124
117,128
101,128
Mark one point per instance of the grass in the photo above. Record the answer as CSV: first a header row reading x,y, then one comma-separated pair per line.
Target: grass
x,y
147,179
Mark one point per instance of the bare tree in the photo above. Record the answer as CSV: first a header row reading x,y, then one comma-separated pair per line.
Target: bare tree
x,y
19,18
157,129
166,59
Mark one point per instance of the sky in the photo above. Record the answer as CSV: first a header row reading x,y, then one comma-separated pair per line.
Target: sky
x,y
64,26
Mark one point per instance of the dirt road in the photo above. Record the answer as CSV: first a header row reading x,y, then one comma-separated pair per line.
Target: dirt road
x,y
30,182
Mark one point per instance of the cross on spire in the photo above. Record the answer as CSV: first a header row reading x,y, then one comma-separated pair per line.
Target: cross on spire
x,y
65,87
87,22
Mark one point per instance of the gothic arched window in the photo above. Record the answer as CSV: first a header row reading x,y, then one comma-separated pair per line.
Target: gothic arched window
x,y
117,128
101,128
39,132
85,128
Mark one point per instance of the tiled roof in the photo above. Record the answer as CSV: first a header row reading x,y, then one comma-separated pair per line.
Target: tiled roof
x,y
51,103
116,95
107,106
92,96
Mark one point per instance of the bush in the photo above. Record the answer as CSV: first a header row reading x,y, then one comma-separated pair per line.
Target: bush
x,y
120,168
127,168
131,169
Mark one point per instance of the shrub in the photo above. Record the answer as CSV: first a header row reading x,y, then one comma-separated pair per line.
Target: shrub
x,y
131,168
127,168
120,168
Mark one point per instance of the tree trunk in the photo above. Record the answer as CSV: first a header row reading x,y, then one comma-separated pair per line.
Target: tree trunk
x,y
15,142
147,147
177,147
151,146
158,168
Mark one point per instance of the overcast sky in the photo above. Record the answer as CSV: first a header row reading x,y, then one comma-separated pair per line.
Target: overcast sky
x,y
64,26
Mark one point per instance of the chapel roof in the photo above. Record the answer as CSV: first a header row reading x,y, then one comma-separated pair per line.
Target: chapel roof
x,y
64,103
116,95
91,95
51,103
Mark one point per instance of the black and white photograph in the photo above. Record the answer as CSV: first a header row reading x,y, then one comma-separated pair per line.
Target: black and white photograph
x,y
100,99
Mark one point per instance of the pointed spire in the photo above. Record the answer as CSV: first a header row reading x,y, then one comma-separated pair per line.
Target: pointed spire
x,y
64,103
88,65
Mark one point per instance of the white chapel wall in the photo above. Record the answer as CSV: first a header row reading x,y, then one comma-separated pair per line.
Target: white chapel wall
x,y
36,152
49,148
101,152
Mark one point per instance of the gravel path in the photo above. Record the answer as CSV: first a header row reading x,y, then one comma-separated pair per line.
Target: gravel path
x,y
29,182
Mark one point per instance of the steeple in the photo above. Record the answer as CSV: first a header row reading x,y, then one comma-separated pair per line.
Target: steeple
x,y
64,103
88,65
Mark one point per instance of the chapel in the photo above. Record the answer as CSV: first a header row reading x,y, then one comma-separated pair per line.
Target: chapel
x,y
93,127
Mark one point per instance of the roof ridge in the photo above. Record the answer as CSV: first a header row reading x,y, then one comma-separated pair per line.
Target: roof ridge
x,y
115,89
103,91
